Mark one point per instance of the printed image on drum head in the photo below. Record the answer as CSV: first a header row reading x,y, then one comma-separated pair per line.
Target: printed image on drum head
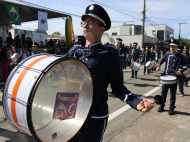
x,y
62,101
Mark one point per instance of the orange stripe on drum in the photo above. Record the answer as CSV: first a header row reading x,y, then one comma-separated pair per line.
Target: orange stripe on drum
x,y
187,73
17,85
132,65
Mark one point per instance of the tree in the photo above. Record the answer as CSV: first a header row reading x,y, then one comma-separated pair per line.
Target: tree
x,y
57,33
184,42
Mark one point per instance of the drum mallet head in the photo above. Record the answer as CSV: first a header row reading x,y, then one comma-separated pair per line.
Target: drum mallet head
x,y
158,99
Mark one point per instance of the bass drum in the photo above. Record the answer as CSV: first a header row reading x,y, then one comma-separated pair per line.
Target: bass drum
x,y
48,97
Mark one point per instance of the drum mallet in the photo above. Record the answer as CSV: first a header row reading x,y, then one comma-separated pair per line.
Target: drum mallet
x,y
174,70
158,99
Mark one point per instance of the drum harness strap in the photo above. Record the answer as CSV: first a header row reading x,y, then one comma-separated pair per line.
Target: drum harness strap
x,y
90,52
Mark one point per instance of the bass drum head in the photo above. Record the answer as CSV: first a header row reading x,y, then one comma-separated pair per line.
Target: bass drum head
x,y
61,101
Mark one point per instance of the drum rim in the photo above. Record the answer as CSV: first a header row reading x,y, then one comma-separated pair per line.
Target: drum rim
x,y
33,90
6,84
167,80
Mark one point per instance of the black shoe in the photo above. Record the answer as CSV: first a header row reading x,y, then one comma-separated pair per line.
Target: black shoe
x,y
132,76
135,77
160,109
171,111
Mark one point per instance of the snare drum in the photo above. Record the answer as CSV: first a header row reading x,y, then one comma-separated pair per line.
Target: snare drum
x,y
155,65
167,79
187,73
48,97
149,65
135,66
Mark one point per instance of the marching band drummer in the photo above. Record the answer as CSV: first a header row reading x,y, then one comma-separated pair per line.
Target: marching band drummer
x,y
152,56
145,59
186,54
104,65
180,77
134,58
173,61
122,52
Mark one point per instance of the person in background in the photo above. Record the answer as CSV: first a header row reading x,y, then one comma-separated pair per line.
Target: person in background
x,y
9,39
173,61
134,58
130,46
17,42
14,59
152,57
180,78
145,59
51,43
54,50
35,49
23,39
24,53
1,42
187,57
9,52
42,45
6,59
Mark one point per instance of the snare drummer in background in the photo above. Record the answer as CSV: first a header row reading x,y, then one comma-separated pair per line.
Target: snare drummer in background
x,y
173,61
152,57
180,77
134,58
122,52
186,54
145,59
103,63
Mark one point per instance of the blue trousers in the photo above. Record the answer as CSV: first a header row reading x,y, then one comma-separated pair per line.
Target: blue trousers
x,y
133,71
180,81
173,88
185,79
91,131
148,71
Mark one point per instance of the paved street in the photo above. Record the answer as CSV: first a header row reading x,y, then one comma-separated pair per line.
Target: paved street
x,y
128,125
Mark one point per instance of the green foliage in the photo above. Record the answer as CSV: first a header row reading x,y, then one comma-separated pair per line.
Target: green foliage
x,y
184,42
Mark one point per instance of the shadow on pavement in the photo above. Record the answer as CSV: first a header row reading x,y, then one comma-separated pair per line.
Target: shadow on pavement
x,y
148,79
15,136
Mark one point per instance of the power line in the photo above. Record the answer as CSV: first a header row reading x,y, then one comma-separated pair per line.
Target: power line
x,y
171,19
115,9
151,5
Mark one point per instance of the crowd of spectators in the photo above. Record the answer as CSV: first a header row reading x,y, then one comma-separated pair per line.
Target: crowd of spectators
x,y
12,51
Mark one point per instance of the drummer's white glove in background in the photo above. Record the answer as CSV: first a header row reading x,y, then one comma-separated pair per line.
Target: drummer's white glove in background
x,y
145,105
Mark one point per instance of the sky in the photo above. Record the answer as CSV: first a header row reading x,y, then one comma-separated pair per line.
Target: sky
x,y
169,12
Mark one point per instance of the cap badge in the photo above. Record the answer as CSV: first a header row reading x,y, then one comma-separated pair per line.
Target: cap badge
x,y
91,7
172,40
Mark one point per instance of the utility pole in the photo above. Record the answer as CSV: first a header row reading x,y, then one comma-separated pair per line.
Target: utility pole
x,y
180,30
143,24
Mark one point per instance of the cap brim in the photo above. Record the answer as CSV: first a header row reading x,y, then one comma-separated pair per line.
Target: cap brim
x,y
172,44
94,16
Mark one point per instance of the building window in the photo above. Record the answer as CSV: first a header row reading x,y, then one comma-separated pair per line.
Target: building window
x,y
160,35
114,33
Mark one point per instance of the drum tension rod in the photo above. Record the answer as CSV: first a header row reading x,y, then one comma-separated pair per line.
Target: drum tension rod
x,y
15,98
26,67
18,127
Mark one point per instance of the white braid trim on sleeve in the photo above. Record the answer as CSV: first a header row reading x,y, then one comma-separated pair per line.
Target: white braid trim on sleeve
x,y
126,96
